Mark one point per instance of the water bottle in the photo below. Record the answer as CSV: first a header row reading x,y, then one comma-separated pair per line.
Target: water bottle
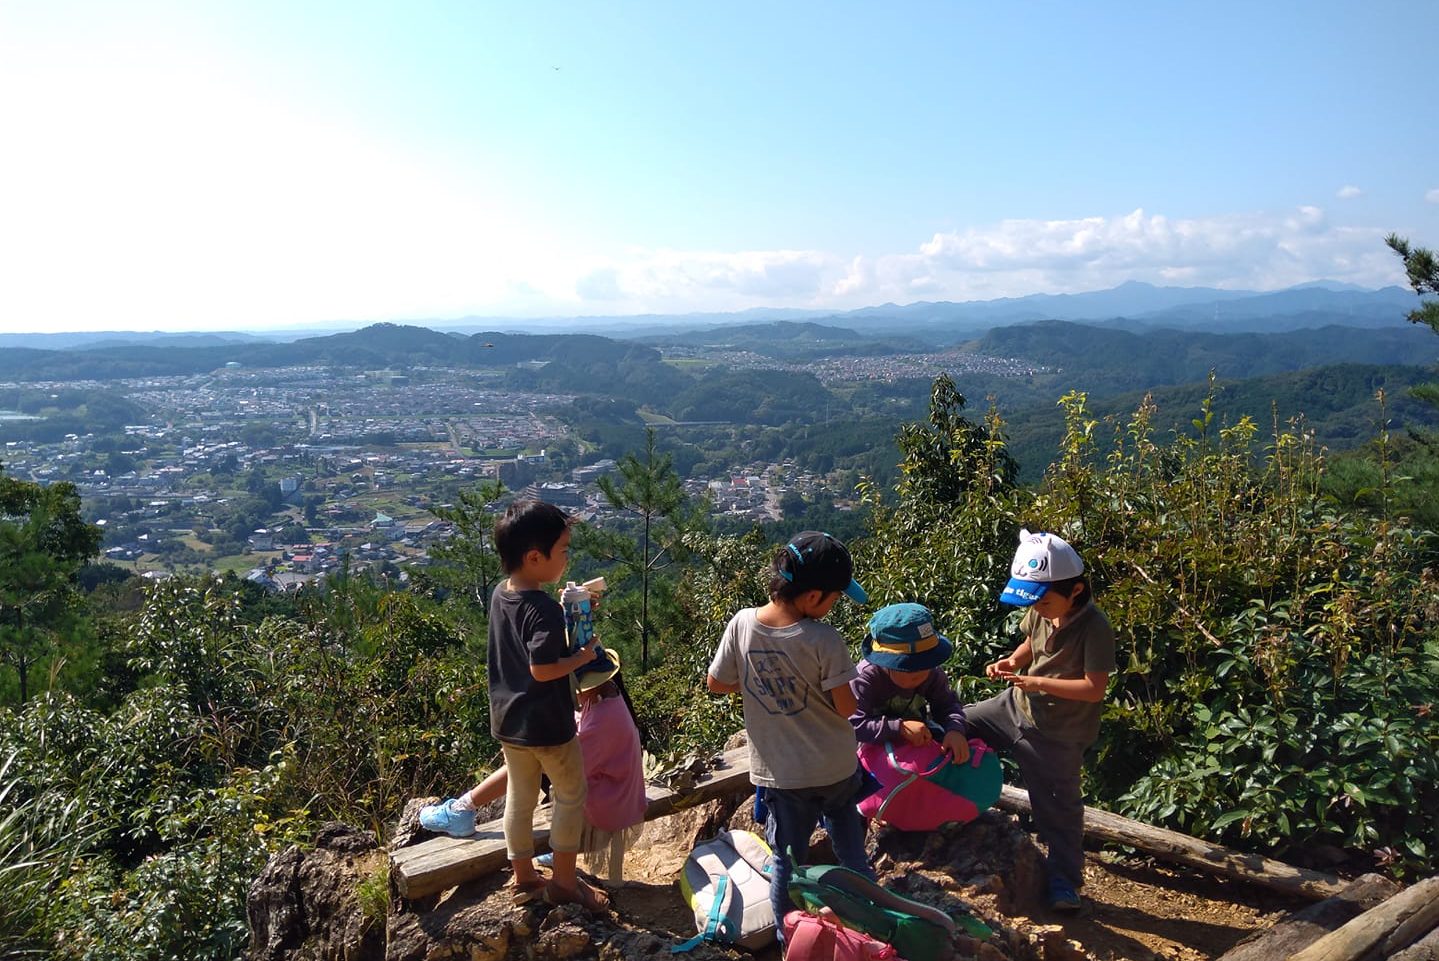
x,y
579,620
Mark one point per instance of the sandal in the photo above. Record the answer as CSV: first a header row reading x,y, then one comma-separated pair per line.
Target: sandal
x,y
521,894
583,895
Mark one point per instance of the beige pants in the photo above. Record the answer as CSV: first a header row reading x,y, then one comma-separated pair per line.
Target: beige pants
x,y
566,769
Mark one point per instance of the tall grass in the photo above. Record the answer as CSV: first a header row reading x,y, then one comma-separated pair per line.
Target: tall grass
x,y
41,837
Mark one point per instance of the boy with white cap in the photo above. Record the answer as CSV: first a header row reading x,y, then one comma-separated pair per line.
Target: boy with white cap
x,y
1050,715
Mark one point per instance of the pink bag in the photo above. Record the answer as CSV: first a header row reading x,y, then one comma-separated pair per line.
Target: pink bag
x,y
810,937
921,789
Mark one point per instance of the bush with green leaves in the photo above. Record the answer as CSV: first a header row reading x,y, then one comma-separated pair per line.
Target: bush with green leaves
x,y
235,738
1277,664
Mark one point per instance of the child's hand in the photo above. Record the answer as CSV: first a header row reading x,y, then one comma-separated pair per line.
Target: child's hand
x,y
1028,683
957,745
915,732
592,649
995,671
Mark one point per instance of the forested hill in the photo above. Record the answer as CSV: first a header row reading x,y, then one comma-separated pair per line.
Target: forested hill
x,y
379,345
1105,361
1337,402
788,339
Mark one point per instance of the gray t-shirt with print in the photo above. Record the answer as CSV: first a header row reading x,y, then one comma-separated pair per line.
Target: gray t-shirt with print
x,y
796,737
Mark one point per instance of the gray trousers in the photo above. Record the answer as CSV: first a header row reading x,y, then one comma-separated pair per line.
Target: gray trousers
x,y
1051,774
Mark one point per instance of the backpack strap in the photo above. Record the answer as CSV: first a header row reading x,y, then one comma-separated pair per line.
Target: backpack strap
x,y
717,926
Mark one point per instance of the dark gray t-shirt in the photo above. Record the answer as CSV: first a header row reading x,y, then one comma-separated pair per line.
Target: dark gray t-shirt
x,y
796,737
1084,645
528,627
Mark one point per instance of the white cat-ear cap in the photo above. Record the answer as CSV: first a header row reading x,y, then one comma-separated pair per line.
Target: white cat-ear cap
x,y
1040,560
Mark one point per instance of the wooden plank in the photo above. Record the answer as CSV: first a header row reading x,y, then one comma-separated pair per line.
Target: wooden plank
x,y
1181,848
1382,931
443,862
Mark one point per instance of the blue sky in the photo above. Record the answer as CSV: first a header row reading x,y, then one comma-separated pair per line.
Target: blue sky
x,y
205,165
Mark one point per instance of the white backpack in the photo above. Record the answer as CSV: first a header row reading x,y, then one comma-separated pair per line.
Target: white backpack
x,y
726,882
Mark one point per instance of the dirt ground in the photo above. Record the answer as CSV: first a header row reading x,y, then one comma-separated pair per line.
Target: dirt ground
x,y
1143,909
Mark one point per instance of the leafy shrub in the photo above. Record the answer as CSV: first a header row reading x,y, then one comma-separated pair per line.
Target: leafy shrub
x,y
237,739
1276,651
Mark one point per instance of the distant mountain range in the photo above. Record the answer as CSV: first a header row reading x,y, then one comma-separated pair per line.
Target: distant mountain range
x,y
1132,306
104,340
1137,306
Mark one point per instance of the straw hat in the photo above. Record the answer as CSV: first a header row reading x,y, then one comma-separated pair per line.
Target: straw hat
x,y
601,669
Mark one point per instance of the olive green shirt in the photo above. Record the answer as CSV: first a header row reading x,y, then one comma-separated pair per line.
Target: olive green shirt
x,y
1084,645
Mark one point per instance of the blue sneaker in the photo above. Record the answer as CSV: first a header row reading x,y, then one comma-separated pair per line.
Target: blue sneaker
x,y
1063,897
442,818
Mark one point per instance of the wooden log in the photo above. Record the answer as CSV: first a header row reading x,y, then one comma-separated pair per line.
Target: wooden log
x,y
1381,931
1425,949
1302,928
1183,849
443,862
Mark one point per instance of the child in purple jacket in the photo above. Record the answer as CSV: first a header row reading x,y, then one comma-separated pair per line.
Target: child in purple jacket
x,y
901,692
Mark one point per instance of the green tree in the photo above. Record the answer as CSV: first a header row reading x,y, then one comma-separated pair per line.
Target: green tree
x,y
650,490
949,527
468,562
43,544
950,455
1423,270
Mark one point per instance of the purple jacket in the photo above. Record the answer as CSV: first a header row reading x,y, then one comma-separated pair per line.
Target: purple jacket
x,y
882,704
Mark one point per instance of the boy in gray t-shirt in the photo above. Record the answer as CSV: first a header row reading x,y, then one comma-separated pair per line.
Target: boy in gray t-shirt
x,y
794,672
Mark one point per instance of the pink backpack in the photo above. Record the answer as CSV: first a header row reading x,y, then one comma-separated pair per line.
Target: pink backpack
x,y
810,937
921,789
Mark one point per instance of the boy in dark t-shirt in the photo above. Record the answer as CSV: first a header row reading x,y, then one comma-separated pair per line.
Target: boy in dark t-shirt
x,y
532,712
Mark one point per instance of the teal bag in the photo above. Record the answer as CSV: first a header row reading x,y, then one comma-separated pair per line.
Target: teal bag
x,y
917,931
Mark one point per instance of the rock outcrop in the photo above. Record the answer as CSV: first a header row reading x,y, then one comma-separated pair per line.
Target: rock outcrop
x,y
306,905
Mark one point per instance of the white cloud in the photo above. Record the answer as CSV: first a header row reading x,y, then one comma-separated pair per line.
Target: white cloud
x,y
1261,251
1015,257
1432,196
1348,192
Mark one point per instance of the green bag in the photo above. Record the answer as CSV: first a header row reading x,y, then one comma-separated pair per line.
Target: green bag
x,y
917,931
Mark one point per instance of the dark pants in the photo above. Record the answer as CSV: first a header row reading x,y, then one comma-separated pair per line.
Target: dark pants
x,y
1051,774
792,817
